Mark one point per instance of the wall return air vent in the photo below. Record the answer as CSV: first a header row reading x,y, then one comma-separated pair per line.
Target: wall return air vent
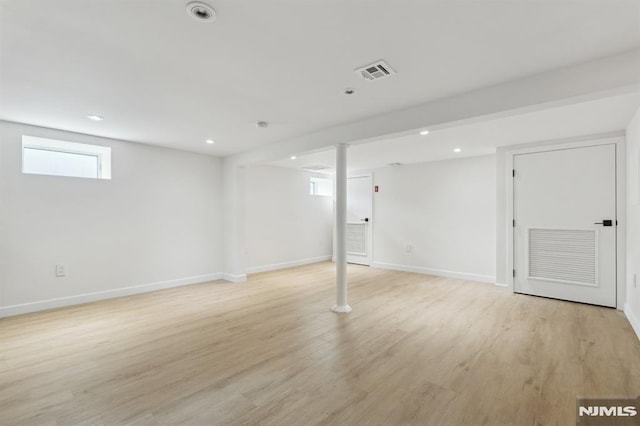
x,y
375,71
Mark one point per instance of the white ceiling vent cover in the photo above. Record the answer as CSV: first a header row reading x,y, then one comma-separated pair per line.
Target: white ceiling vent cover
x,y
375,71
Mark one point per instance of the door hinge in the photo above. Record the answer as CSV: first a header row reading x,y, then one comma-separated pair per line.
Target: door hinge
x,y
513,172
514,273
514,223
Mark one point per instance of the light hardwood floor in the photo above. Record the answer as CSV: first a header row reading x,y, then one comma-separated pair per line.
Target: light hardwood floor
x,y
416,350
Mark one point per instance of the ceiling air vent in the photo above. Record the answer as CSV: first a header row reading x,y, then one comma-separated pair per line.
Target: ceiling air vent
x,y
375,71
316,168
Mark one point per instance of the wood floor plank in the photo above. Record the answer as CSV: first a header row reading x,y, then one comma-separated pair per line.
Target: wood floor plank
x,y
416,350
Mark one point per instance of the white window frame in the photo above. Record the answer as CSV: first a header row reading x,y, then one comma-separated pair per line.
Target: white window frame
x,y
102,153
314,186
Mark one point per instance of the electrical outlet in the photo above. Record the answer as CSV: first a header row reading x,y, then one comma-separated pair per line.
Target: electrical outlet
x,y
61,271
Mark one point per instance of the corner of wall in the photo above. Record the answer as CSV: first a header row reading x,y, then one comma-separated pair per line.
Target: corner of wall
x,y
633,320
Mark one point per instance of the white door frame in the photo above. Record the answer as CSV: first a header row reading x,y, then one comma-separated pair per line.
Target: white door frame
x,y
621,204
371,218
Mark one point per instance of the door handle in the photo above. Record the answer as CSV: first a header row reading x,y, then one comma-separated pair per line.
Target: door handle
x,y
366,219
605,222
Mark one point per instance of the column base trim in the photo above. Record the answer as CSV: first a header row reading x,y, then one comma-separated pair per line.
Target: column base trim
x,y
234,278
345,309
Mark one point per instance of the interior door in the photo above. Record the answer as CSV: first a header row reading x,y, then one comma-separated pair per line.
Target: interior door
x,y
565,224
359,208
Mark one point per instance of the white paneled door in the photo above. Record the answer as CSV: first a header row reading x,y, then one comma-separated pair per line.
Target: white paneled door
x,y
359,209
564,205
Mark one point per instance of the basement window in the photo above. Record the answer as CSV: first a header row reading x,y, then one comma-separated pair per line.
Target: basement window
x,y
42,156
320,186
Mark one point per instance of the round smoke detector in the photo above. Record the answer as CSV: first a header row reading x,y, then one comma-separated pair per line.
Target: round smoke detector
x,y
201,11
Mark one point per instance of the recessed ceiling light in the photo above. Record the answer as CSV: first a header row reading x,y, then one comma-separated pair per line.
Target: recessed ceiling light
x,y
293,157
457,150
262,124
210,141
424,132
95,117
201,11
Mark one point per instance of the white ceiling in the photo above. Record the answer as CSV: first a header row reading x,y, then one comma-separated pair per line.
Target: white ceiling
x,y
160,77
586,118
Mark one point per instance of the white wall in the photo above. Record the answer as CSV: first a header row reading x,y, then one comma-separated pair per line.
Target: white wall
x,y
157,220
445,210
632,306
590,80
284,225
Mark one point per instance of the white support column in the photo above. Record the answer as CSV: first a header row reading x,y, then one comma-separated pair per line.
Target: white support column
x,y
341,230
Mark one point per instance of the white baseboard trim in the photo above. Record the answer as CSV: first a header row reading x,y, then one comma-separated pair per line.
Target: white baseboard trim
x,y
633,320
24,308
437,272
283,265
234,278
502,285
